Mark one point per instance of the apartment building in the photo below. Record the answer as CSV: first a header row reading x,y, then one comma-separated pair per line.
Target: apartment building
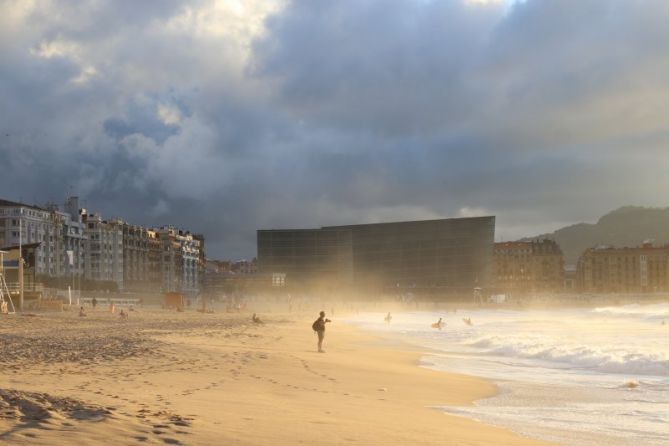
x,y
606,269
135,257
69,240
104,253
180,260
171,263
528,266
26,224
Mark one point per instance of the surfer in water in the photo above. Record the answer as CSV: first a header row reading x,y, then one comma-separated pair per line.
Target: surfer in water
x,y
388,318
439,324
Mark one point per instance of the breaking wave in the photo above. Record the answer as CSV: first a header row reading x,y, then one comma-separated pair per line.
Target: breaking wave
x,y
605,359
654,312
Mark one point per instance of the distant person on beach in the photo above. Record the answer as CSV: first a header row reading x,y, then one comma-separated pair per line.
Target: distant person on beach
x,y
94,302
438,324
256,319
388,318
82,313
319,327
123,315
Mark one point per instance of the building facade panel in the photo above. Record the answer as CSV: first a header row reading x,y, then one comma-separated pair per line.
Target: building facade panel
x,y
306,255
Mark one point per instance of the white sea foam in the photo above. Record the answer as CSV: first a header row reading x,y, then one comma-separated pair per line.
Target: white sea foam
x,y
608,359
650,313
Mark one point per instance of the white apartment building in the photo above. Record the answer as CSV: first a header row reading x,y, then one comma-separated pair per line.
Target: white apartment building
x,y
190,255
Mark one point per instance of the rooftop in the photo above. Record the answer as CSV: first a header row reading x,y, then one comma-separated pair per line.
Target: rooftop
x,y
8,203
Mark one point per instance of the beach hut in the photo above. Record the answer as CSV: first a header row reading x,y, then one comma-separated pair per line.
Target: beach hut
x,y
174,301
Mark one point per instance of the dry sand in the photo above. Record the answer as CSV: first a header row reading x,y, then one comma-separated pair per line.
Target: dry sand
x,y
217,379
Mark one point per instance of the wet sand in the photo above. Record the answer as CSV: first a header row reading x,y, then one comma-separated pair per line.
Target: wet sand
x,y
197,379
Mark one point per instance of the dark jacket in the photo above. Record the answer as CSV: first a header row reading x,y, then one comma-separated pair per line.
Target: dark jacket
x,y
319,324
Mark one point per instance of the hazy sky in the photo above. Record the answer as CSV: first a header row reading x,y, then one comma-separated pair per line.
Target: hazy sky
x,y
227,116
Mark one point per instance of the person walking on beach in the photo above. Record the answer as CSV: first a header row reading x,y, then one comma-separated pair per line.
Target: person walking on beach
x,y
319,327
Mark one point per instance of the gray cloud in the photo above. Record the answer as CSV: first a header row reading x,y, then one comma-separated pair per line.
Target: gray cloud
x,y
226,118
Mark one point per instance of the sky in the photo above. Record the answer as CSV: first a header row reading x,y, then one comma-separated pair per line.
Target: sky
x,y
223,117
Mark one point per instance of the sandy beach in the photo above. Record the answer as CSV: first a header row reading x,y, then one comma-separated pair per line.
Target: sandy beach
x,y
196,379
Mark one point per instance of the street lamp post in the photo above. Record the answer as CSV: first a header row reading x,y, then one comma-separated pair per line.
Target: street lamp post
x,y
21,259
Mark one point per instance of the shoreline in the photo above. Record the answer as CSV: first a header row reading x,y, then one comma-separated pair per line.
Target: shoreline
x,y
219,379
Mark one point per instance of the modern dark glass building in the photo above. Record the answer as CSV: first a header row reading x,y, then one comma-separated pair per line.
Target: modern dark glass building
x,y
449,254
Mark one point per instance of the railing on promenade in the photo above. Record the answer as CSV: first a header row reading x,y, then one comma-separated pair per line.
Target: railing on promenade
x,y
14,287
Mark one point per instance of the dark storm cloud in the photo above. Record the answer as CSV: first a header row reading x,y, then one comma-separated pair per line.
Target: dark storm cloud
x,y
226,117
369,66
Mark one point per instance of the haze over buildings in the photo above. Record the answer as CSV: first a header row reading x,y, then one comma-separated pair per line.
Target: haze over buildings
x,y
228,116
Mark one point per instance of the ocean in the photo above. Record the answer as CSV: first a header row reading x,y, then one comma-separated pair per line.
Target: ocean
x,y
573,376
